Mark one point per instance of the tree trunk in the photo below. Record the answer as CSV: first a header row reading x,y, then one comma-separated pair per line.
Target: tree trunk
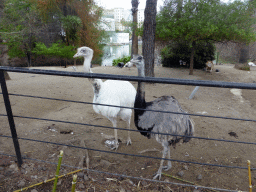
x,y
244,53
191,68
29,58
135,4
148,44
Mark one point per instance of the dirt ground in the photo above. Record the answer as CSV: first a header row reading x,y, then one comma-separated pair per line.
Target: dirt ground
x,y
209,101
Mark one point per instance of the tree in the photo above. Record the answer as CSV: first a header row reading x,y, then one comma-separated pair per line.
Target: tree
x,y
85,30
71,25
75,22
148,38
244,51
209,20
19,32
134,10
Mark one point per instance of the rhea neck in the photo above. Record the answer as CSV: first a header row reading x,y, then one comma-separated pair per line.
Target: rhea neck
x,y
140,96
87,63
96,83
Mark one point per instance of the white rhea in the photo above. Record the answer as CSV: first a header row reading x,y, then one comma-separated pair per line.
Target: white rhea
x,y
110,92
180,126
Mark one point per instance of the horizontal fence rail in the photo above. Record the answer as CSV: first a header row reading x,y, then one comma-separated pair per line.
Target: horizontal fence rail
x,y
132,130
220,84
217,84
157,111
133,155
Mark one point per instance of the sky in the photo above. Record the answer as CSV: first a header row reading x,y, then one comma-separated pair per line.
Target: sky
x,y
109,4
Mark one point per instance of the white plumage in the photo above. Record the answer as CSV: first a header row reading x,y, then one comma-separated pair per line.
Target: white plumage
x,y
110,92
128,64
180,126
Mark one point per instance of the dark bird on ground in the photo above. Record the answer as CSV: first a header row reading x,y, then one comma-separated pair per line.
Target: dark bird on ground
x,y
178,126
233,134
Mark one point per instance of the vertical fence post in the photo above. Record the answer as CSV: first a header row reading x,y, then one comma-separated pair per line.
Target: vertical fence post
x,y
10,118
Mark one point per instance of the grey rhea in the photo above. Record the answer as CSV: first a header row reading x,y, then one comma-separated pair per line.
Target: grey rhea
x,y
179,125
110,92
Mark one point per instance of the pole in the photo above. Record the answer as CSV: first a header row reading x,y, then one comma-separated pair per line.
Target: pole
x,y
10,118
249,175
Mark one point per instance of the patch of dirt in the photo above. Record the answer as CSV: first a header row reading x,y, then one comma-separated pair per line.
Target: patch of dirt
x,y
210,101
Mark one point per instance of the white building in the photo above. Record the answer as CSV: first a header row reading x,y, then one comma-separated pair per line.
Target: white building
x,y
120,14
140,17
108,24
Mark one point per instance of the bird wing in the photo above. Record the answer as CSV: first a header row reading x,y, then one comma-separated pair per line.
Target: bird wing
x,y
166,122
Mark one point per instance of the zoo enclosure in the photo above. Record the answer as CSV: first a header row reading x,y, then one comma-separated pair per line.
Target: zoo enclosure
x,y
115,77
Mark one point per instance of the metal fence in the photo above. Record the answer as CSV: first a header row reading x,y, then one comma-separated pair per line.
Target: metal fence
x,y
16,139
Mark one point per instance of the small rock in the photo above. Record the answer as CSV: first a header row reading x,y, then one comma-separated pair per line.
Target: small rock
x,y
24,165
14,167
59,182
80,174
121,189
199,177
167,180
34,190
105,163
185,167
180,173
196,190
86,178
21,183
81,186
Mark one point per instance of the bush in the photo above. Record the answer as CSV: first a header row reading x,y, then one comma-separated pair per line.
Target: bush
x,y
176,51
124,60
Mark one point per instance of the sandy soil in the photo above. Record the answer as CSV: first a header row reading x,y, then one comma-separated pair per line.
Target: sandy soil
x,y
210,101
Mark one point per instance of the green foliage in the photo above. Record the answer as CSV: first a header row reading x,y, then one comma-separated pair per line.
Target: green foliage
x,y
20,25
206,20
23,22
71,25
174,52
124,60
245,68
55,50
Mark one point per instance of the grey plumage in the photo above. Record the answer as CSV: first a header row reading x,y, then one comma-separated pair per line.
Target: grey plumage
x,y
179,125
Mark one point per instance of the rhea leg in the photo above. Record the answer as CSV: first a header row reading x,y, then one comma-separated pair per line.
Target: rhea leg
x,y
169,163
126,114
115,134
129,141
159,172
